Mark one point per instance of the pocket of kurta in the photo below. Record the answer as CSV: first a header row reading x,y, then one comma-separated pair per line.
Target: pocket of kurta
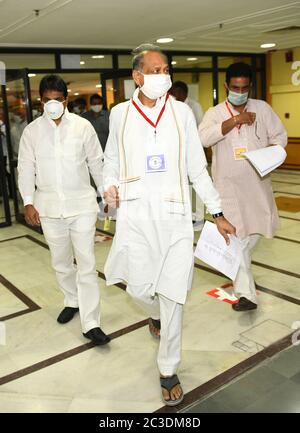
x,y
72,148
130,188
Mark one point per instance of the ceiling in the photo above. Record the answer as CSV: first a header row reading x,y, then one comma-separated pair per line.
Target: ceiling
x,y
198,25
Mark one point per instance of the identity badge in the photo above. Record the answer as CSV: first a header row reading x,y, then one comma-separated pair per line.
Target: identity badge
x,y
239,152
239,147
155,163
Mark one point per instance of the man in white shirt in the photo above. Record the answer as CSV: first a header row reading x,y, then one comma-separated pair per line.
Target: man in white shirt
x,y
152,149
180,92
231,128
58,151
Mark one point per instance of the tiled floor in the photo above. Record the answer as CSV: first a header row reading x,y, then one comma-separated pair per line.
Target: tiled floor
x,y
274,386
47,367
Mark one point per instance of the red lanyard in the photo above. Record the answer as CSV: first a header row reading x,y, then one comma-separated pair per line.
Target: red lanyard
x,y
232,115
146,117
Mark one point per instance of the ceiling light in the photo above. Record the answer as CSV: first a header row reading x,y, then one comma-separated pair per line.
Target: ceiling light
x,y
69,90
31,75
271,45
76,94
98,57
98,85
164,40
174,62
192,59
82,62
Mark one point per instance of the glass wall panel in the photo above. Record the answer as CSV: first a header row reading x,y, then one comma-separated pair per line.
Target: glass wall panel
x,y
191,61
30,61
86,61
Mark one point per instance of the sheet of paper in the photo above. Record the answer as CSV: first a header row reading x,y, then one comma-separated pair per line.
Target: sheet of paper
x,y
267,159
213,250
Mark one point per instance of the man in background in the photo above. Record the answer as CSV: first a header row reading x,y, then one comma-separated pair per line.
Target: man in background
x,y
99,118
79,106
237,125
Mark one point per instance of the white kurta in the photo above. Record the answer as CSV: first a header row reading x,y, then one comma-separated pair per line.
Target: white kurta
x,y
247,199
55,163
153,243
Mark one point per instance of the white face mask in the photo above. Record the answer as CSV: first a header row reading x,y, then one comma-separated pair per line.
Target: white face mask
x,y
156,85
54,109
76,110
97,108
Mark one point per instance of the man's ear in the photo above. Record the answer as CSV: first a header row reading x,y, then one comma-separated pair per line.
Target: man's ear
x,y
138,78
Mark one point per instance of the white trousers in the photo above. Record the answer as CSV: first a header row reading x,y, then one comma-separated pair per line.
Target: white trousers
x,y
170,315
244,284
70,238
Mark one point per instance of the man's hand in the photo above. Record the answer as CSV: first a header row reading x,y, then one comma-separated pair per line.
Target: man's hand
x,y
246,117
111,197
225,228
32,216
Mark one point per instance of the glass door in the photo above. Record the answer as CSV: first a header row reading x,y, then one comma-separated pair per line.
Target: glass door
x,y
18,113
5,180
117,87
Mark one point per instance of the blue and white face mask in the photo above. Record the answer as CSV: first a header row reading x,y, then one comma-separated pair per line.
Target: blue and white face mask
x,y
237,98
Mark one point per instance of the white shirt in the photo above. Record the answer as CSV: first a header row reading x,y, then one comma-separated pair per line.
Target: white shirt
x,y
196,109
55,163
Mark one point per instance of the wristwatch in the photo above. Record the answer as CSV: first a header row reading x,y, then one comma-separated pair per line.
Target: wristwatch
x,y
216,215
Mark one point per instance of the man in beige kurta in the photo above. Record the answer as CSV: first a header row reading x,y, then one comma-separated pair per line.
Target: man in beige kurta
x,y
231,128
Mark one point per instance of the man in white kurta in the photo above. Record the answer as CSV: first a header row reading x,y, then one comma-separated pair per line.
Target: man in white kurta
x,y
152,149
231,128
58,152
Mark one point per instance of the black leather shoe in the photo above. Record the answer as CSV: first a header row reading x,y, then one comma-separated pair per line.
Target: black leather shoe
x,y
97,336
67,314
244,305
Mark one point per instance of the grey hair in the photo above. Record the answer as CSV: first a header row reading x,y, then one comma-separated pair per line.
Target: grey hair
x,y
139,53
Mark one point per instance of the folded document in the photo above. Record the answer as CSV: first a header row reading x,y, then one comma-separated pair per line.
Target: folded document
x,y
266,159
213,250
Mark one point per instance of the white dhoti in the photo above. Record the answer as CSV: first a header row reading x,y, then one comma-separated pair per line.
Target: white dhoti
x,y
244,284
70,238
170,315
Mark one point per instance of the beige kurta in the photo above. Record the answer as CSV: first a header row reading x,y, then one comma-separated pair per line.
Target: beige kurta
x,y
247,199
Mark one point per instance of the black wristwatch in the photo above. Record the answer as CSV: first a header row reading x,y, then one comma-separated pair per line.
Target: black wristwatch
x,y
216,215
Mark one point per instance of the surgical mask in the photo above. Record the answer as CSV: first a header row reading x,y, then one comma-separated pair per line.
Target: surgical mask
x,y
237,98
156,85
97,108
18,118
54,109
76,110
